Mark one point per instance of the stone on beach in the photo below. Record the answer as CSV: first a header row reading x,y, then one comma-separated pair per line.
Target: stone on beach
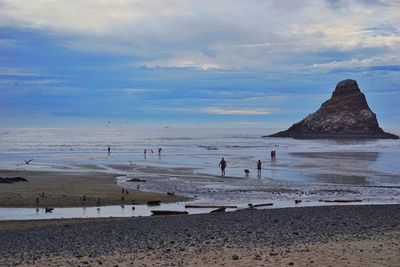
x,y
317,234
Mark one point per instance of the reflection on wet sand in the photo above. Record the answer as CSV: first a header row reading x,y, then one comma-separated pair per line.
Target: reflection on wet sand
x,y
340,179
338,167
368,156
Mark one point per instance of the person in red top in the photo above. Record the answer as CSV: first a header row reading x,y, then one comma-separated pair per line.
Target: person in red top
x,y
222,164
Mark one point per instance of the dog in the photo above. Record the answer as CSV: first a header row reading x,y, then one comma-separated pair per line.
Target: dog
x,y
246,171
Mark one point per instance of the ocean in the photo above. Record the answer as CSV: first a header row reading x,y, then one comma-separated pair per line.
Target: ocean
x,y
309,170
201,149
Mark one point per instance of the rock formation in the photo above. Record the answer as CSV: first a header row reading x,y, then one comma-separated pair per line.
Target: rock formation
x,y
345,115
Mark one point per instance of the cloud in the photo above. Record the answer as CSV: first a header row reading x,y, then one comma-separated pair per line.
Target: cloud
x,y
365,62
18,72
142,90
215,111
217,34
7,43
234,111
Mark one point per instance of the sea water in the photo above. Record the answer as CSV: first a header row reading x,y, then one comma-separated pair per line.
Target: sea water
x,y
308,166
201,149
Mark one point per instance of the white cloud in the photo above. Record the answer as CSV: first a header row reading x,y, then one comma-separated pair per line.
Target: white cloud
x,y
366,62
212,34
142,90
234,111
9,71
219,111
7,43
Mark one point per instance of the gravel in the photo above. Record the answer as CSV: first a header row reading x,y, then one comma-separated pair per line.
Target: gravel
x,y
270,227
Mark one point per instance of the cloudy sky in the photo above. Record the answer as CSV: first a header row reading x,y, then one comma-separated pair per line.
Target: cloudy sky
x,y
223,62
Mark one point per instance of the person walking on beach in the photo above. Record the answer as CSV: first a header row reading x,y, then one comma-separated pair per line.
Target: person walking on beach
x,y
259,168
222,164
109,150
159,151
272,155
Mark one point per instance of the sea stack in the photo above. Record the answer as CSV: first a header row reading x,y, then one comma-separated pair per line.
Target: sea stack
x,y
346,115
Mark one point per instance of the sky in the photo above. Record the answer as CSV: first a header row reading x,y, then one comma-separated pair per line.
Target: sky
x,y
195,63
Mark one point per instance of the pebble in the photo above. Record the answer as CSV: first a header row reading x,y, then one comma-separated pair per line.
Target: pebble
x,y
269,227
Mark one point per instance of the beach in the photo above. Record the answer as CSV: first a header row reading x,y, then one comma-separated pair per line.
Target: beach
x,y
71,189
199,133
312,236
325,203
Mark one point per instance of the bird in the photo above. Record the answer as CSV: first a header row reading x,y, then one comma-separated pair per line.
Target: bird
x,y
28,161
48,210
131,162
246,171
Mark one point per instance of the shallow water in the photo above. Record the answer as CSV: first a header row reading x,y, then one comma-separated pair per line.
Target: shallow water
x,y
302,165
130,210
202,149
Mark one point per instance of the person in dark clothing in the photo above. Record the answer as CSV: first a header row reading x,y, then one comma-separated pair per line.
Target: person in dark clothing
x,y
259,168
272,155
109,150
222,165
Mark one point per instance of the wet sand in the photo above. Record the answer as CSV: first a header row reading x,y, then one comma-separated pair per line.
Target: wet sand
x,y
67,189
213,189
313,236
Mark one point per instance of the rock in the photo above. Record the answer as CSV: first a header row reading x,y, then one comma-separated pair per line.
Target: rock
x,y
10,180
235,257
136,180
257,257
345,115
291,263
153,202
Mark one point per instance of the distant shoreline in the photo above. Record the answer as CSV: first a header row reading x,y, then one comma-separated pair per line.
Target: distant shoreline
x,y
283,134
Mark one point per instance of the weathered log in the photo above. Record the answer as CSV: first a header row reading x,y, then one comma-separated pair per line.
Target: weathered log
x,y
260,205
168,212
343,200
136,180
209,206
218,210
153,202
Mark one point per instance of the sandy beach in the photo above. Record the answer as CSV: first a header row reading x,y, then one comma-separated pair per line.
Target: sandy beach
x,y
67,189
308,235
312,236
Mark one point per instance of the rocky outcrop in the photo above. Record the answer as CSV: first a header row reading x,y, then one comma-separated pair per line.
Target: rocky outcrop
x,y
345,115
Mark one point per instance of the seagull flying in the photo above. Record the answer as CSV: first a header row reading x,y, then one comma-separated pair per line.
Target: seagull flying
x,y
28,161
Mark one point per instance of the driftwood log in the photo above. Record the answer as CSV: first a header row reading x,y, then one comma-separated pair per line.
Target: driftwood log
x,y
209,206
168,212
